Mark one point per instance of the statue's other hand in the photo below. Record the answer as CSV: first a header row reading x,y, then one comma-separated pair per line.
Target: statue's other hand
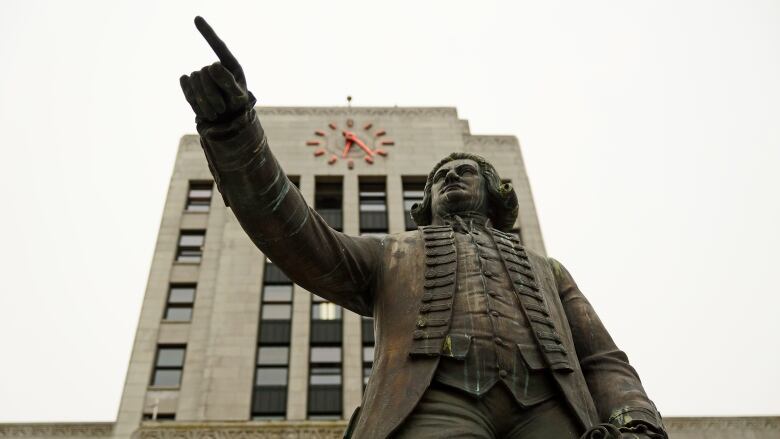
x,y
217,92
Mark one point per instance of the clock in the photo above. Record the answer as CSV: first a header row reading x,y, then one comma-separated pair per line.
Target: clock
x,y
350,142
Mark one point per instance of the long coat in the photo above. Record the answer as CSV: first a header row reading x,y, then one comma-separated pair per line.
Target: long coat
x,y
386,279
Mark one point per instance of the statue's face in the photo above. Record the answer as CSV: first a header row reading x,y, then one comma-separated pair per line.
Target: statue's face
x,y
458,186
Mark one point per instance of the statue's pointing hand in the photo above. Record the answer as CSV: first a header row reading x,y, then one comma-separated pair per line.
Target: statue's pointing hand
x,y
216,92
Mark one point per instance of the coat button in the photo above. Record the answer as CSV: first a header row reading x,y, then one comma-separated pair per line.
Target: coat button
x,y
498,340
494,313
488,273
502,373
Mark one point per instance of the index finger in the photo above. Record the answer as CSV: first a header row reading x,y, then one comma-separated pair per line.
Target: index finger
x,y
217,45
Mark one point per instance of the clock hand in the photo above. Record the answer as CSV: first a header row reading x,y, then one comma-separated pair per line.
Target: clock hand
x,y
347,145
352,137
364,147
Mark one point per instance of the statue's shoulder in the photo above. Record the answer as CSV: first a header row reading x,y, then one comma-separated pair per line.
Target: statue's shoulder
x,y
408,236
417,235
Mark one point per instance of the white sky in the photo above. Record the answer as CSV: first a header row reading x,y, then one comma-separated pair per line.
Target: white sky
x,y
650,131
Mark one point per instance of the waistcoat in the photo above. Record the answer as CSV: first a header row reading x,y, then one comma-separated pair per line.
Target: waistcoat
x,y
512,270
488,329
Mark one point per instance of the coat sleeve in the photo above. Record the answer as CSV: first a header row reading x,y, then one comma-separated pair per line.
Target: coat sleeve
x,y
272,211
614,385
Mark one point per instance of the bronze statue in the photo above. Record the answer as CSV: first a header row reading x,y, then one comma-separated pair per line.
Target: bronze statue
x,y
476,336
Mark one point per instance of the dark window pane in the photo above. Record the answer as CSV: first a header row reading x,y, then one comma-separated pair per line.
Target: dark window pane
x,y
271,376
272,355
324,400
373,221
182,294
325,354
179,314
325,311
367,327
275,332
269,402
325,332
277,293
413,193
328,202
276,312
167,377
170,357
159,417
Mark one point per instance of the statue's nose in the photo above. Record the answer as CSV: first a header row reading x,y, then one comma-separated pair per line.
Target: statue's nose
x,y
451,176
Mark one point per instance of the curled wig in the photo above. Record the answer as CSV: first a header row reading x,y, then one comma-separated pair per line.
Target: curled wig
x,y
502,200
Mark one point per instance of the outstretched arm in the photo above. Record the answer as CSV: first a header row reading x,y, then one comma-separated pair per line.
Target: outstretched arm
x,y
614,384
271,210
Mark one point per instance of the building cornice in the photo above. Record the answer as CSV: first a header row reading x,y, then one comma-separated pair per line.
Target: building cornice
x,y
480,141
243,430
359,111
58,429
757,427
718,424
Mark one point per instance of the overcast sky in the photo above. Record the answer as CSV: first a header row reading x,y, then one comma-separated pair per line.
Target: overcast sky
x,y
650,130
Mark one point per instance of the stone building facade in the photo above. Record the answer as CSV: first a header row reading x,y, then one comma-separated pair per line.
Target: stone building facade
x,y
227,346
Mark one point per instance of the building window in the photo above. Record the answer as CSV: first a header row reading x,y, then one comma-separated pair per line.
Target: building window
x,y
168,366
325,322
367,329
328,200
414,188
269,400
180,300
373,207
199,196
324,400
159,416
191,246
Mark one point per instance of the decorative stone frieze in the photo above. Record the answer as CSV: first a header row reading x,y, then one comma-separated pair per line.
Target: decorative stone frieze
x,y
47,430
358,111
472,141
747,427
245,430
758,427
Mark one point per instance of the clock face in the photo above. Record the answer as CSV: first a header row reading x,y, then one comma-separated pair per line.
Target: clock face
x,y
349,142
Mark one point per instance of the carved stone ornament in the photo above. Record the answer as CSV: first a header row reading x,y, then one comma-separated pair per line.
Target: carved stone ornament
x,y
445,112
251,430
45,430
